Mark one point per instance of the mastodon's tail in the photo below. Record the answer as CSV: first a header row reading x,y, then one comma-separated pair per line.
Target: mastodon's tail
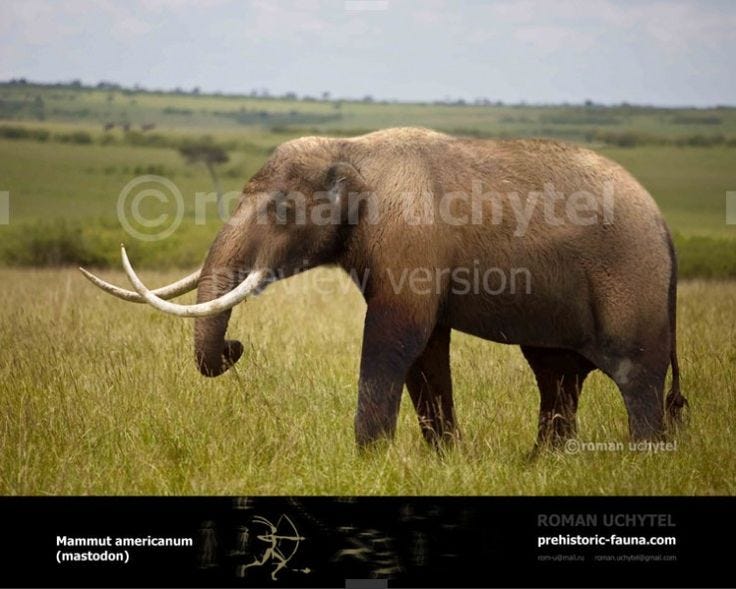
x,y
675,401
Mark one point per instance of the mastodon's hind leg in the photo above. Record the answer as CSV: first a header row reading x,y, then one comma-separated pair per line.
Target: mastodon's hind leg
x,y
560,375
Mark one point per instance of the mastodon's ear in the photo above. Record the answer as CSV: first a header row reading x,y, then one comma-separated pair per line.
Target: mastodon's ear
x,y
346,188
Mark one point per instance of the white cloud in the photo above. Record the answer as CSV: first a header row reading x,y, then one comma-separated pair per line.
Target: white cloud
x,y
680,25
37,22
668,25
551,38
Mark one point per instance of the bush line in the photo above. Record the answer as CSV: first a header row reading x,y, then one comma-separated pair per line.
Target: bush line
x,y
95,243
144,139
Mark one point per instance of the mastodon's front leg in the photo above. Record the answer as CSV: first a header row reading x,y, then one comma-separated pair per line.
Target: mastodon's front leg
x,y
392,341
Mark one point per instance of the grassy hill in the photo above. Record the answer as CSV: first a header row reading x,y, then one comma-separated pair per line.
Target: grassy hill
x,y
66,152
226,114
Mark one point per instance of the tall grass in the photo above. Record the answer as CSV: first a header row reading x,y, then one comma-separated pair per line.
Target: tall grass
x,y
100,396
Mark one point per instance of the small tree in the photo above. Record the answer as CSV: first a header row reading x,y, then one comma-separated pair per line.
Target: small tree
x,y
210,155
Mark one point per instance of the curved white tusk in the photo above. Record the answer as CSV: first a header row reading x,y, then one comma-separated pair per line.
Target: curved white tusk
x,y
180,287
251,285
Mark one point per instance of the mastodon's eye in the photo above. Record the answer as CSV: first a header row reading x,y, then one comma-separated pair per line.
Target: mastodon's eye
x,y
283,206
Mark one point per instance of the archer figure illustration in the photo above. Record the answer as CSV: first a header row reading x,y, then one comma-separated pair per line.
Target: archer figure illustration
x,y
275,553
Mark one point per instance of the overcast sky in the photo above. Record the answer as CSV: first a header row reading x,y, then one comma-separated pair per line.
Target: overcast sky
x,y
654,52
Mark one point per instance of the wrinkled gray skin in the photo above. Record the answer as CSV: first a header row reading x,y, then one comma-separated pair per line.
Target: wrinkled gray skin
x,y
602,295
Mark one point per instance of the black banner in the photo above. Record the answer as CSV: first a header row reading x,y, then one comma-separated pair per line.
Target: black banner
x,y
397,541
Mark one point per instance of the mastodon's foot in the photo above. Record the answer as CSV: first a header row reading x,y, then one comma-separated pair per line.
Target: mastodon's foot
x,y
559,435
550,444
375,446
372,435
554,432
643,429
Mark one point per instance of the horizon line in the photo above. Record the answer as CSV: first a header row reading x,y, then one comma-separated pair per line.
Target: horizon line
x,y
327,96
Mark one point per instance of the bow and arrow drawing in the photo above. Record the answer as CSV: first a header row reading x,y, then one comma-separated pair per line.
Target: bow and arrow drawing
x,y
277,552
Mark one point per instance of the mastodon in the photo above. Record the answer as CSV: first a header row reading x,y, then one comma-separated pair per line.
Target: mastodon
x,y
597,256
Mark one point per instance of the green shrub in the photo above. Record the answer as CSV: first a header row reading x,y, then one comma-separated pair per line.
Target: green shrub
x,y
626,138
154,169
138,138
573,118
699,140
696,120
8,132
15,132
96,243
78,137
56,243
170,110
706,257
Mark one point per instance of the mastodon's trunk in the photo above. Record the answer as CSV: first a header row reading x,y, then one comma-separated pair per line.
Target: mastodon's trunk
x,y
213,353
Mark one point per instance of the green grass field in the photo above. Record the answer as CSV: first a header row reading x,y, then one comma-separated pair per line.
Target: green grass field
x,y
99,396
